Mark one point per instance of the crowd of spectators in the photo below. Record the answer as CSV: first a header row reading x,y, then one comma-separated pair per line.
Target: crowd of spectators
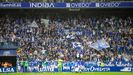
x,y
53,40
62,0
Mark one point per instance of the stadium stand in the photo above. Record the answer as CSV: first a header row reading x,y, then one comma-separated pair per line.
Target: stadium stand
x,y
52,38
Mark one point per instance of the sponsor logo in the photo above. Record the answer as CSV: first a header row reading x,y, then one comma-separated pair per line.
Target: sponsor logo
x,y
75,5
41,5
126,69
7,70
10,4
112,4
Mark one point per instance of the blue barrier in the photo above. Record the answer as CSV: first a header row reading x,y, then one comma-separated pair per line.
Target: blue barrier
x,y
66,5
79,67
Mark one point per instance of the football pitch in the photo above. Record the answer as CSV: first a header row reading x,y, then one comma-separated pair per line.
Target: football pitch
x,y
70,73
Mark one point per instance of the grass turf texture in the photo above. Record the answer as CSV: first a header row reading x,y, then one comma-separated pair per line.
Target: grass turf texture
x,y
70,73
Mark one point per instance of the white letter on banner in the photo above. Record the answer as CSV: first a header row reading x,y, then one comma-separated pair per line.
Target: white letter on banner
x,y
39,5
67,4
33,5
12,70
92,69
52,5
73,5
97,4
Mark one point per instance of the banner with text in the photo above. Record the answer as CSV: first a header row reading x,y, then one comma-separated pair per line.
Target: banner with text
x,y
66,5
78,66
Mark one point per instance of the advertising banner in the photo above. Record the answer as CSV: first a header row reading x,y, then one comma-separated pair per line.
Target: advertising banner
x,y
66,5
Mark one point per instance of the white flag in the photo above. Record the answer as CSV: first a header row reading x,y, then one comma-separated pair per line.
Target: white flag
x,y
99,44
102,43
45,21
33,24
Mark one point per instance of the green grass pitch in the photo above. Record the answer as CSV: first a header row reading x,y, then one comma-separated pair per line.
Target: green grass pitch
x,y
70,73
